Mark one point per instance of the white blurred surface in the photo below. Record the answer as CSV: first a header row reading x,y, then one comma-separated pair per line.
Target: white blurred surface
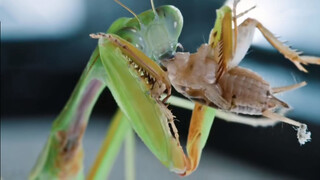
x,y
37,19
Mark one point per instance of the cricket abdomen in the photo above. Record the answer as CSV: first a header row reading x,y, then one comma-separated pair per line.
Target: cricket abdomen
x,y
246,92
238,90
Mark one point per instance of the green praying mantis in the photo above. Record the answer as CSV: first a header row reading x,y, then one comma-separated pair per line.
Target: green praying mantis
x,y
137,61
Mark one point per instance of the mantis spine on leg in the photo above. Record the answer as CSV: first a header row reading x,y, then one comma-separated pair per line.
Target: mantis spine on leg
x,y
62,156
137,91
122,62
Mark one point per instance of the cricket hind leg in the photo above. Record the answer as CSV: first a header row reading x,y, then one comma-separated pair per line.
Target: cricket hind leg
x,y
245,35
302,134
292,54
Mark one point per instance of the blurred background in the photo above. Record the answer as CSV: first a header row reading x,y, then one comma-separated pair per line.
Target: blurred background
x,y
45,45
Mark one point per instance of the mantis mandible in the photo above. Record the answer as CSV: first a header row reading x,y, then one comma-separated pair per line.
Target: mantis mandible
x,y
127,62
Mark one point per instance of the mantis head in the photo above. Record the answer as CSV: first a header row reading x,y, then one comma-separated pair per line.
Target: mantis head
x,y
162,35
155,32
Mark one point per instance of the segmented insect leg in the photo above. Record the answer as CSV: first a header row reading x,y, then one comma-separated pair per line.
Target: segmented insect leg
x,y
288,88
234,19
245,12
292,54
303,135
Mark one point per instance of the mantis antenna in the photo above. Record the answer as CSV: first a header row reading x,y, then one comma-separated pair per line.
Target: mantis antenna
x,y
128,9
153,9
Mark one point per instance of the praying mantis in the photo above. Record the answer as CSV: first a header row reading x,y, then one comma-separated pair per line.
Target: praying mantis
x,y
128,60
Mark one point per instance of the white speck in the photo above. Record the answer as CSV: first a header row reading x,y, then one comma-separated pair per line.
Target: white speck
x,y
140,38
133,30
303,135
175,24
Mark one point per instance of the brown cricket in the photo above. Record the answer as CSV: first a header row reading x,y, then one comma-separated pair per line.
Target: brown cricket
x,y
212,77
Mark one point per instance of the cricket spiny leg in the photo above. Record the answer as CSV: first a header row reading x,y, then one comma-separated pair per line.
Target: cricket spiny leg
x,y
292,54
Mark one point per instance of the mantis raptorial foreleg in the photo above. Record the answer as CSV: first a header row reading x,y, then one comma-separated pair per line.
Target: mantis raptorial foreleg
x,y
63,154
141,32
199,129
202,117
136,82
127,62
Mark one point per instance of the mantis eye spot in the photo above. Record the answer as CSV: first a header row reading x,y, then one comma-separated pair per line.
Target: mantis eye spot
x,y
215,34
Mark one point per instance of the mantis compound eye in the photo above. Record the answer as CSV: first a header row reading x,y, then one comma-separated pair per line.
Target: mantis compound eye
x,y
133,36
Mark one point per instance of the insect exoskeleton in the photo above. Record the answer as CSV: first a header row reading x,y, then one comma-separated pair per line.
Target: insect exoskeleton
x,y
238,90
141,66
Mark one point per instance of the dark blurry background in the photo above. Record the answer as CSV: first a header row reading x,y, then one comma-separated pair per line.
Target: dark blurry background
x,y
45,46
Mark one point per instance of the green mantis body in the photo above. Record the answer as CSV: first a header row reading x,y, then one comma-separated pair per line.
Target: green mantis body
x,y
127,62
108,67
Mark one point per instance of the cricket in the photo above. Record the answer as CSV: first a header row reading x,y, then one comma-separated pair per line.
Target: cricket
x,y
137,60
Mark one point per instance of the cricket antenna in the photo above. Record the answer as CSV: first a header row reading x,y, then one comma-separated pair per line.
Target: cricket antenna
x,y
128,9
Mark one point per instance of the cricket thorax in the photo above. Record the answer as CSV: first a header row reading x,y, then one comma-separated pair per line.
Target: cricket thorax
x,y
239,90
